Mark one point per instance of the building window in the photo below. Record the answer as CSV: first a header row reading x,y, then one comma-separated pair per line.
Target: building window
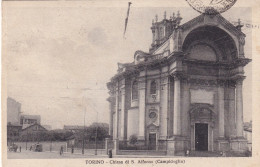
x,y
135,90
120,97
161,32
152,115
153,88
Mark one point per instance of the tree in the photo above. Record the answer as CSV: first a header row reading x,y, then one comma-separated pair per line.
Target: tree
x,y
45,136
97,130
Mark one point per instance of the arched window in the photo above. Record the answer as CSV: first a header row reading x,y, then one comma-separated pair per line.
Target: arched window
x,y
135,90
153,88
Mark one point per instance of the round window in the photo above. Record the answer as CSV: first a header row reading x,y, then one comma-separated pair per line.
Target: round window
x,y
152,115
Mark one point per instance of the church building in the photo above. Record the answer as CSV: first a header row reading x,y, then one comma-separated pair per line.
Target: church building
x,y
187,91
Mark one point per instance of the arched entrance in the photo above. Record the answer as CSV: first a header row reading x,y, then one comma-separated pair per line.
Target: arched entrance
x,y
210,39
202,125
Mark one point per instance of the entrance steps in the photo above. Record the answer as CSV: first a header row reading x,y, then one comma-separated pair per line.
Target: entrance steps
x,y
141,152
216,154
204,154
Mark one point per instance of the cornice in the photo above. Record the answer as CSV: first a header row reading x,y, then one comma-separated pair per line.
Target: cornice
x,y
230,26
221,20
192,22
214,82
233,64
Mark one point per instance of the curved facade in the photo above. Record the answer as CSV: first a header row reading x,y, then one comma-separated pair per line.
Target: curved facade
x,y
187,91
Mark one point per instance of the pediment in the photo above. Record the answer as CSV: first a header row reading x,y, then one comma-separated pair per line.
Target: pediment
x,y
153,126
213,20
140,56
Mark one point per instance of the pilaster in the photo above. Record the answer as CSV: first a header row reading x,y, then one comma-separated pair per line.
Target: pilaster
x,y
142,108
164,107
123,122
239,107
111,108
232,112
185,102
116,129
221,111
177,106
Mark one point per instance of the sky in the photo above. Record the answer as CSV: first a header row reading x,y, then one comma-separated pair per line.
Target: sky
x,y
59,56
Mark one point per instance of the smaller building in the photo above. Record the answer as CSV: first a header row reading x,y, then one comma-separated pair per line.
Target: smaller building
x,y
72,140
13,132
13,125
34,128
47,127
13,111
28,120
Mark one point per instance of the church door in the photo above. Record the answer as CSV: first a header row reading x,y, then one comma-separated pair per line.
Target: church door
x,y
152,141
201,137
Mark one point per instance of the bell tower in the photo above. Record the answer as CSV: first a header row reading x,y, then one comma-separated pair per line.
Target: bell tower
x,y
163,29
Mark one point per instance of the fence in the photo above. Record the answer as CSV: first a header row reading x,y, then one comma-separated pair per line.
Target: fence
x,y
127,145
89,145
46,146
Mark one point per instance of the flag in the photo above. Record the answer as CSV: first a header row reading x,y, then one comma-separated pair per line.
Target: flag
x,y
126,20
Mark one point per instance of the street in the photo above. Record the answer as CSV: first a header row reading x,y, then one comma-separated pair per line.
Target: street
x,y
26,154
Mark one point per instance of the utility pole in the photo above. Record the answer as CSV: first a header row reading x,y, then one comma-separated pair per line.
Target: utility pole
x,y
84,110
96,136
26,138
83,142
51,142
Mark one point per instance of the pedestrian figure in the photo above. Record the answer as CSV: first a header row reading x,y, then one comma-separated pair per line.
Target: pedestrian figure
x,y
61,150
110,155
72,149
31,148
20,149
224,154
187,153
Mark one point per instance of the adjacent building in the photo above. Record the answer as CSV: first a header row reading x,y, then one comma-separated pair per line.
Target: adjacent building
x,y
13,111
187,90
13,132
47,127
34,128
13,116
28,120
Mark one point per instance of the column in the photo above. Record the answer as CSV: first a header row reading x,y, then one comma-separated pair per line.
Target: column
x,y
185,109
239,108
232,112
117,113
164,107
111,116
177,108
123,123
221,110
142,101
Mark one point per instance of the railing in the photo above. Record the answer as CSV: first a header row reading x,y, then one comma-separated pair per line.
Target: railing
x,y
90,145
159,146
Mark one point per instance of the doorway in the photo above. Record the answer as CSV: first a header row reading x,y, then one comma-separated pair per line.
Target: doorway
x,y
152,141
201,137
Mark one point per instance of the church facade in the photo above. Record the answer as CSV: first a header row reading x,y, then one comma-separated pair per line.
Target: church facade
x,y
187,91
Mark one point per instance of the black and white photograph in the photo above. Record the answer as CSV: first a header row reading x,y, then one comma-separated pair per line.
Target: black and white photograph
x,y
129,82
